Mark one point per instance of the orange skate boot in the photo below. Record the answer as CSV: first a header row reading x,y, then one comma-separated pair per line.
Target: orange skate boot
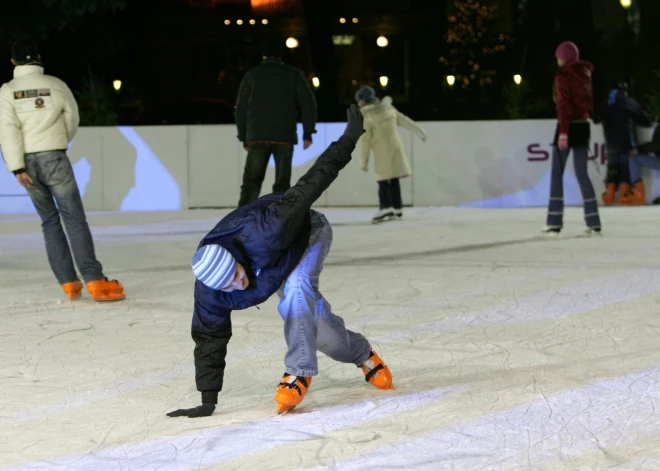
x,y
636,196
106,290
73,289
291,392
376,372
624,195
610,194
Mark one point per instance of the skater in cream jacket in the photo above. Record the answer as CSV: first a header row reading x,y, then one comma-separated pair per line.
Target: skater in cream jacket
x,y
381,120
38,120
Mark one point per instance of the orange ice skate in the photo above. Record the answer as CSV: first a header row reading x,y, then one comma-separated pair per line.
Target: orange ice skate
x,y
624,199
376,372
635,197
106,290
610,194
73,289
291,392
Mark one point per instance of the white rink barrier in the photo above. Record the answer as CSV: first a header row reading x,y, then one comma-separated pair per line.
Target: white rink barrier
x,y
486,164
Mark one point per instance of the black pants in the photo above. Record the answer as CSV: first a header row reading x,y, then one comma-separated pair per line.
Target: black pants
x,y
389,194
618,170
255,170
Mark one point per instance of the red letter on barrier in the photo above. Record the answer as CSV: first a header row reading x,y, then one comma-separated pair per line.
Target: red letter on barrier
x,y
535,149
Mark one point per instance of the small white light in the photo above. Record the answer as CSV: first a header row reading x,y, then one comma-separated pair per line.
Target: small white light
x,y
227,22
316,82
239,22
116,84
342,20
252,22
264,21
355,20
292,43
626,3
518,79
382,41
384,81
451,80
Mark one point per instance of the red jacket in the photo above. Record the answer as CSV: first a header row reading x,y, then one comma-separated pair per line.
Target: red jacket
x,y
573,93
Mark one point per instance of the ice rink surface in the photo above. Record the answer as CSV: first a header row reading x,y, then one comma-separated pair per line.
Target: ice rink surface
x,y
509,351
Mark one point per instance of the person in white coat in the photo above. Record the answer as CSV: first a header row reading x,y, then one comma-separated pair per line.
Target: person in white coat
x,y
381,120
38,119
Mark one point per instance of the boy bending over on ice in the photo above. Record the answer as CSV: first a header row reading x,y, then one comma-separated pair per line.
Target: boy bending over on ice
x,y
277,244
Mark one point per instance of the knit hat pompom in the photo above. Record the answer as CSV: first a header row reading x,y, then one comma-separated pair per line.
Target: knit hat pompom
x,y
365,93
568,52
214,266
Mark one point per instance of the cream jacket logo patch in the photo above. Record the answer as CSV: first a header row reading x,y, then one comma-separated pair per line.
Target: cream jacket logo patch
x,y
31,100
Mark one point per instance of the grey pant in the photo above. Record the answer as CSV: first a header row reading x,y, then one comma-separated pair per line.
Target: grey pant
x,y
54,183
309,324
556,206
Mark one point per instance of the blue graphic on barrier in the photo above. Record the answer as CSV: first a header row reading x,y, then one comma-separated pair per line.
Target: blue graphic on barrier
x,y
536,196
155,189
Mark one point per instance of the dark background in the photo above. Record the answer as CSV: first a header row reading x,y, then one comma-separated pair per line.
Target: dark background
x,y
181,64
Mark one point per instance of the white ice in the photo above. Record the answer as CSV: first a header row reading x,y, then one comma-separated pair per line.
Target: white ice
x,y
509,351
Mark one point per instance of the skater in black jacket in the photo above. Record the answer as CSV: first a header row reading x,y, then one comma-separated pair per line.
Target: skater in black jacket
x,y
277,244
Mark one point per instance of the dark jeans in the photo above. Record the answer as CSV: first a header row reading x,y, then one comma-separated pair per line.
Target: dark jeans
x,y
389,194
255,170
617,167
556,206
54,183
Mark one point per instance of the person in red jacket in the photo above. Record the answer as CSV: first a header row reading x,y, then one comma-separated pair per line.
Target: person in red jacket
x,y
573,93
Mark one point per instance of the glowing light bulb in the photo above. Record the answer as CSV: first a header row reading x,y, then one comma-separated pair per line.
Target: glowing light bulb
x,y
292,43
316,82
451,80
384,81
626,3
517,79
239,22
382,41
342,20
264,21
117,84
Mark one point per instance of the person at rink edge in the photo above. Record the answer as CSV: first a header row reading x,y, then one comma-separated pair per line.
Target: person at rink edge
x,y
573,93
277,244
620,116
644,156
381,120
270,99
38,119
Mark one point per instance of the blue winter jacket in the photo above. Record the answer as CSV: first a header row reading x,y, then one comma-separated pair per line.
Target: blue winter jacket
x,y
268,237
619,117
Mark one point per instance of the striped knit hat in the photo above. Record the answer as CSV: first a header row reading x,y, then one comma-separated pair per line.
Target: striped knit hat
x,y
214,266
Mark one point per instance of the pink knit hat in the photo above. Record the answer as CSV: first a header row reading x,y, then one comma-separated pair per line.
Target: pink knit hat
x,y
568,52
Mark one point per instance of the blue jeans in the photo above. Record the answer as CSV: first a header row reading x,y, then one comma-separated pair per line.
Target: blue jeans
x,y
556,206
309,324
638,163
54,183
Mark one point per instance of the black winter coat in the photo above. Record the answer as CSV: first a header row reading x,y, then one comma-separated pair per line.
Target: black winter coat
x,y
619,117
271,98
268,237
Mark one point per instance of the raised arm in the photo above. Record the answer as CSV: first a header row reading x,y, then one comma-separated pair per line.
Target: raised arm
x,y
291,210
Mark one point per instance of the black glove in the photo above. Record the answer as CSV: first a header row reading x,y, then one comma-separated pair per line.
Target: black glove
x,y
204,410
355,127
